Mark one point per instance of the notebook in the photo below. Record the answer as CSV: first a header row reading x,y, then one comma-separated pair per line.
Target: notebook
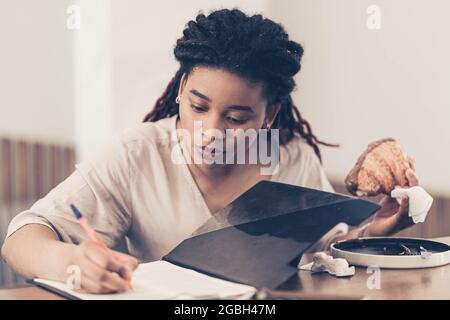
x,y
161,280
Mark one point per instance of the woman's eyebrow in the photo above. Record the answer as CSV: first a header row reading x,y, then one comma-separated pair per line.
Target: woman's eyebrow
x,y
200,95
241,108
233,107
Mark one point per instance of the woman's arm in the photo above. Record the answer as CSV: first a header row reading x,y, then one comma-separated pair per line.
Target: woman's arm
x,y
34,251
45,240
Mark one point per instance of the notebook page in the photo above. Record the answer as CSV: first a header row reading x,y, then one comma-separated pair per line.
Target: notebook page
x,y
164,280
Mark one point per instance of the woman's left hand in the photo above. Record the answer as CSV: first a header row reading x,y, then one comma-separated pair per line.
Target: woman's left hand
x,y
392,217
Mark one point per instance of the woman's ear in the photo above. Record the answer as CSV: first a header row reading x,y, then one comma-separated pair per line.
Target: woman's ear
x,y
271,114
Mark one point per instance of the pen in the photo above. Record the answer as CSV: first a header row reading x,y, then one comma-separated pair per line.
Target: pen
x,y
90,232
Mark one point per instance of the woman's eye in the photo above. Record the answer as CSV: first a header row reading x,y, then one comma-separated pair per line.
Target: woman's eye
x,y
236,121
197,108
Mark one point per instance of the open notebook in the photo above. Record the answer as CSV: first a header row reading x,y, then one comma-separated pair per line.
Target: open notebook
x,y
162,280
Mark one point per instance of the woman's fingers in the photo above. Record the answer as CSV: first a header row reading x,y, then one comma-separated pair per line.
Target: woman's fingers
x,y
403,209
92,286
104,267
105,258
391,218
97,280
103,270
402,216
130,261
389,206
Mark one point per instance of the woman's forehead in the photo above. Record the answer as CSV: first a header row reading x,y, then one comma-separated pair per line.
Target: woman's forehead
x,y
223,87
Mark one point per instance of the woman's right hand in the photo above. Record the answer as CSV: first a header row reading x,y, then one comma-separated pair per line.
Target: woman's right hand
x,y
101,270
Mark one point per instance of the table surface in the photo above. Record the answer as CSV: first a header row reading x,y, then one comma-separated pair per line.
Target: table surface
x,y
429,283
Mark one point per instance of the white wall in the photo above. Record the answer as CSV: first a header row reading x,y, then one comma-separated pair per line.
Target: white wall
x,y
358,85
143,37
92,72
36,97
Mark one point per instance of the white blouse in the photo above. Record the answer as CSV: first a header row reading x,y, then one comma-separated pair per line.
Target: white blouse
x,y
132,189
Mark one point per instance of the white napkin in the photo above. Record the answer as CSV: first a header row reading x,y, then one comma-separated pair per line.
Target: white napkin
x,y
419,201
323,262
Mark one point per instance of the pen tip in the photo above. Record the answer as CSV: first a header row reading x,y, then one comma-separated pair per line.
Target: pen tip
x,y
75,211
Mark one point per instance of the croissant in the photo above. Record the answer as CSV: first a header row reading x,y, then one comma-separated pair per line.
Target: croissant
x,y
379,169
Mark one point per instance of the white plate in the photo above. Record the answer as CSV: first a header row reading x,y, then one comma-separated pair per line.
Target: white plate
x,y
384,252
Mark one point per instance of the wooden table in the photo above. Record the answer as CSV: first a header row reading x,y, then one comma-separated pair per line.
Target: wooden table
x,y
431,283
27,293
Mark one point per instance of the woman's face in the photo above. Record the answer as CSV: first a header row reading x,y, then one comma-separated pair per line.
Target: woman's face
x,y
218,100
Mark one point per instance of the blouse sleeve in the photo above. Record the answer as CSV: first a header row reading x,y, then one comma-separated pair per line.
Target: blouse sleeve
x,y
99,188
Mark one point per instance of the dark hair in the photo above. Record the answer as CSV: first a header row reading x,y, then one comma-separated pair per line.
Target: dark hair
x,y
253,47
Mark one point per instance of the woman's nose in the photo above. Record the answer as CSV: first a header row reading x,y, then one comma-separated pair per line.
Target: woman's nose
x,y
212,131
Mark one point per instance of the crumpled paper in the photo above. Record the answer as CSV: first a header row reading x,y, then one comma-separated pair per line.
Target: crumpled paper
x,y
323,262
419,201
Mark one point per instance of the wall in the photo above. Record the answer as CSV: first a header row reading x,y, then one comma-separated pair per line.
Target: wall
x,y
36,68
358,85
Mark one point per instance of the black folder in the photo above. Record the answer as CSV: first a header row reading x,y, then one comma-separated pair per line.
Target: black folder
x,y
259,238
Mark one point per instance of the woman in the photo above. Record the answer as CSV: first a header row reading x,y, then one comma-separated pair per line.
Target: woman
x,y
236,72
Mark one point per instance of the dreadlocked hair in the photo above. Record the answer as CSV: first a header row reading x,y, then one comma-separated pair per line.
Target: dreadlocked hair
x,y
253,47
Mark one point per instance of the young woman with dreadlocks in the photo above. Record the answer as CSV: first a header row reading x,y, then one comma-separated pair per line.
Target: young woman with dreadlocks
x,y
236,72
